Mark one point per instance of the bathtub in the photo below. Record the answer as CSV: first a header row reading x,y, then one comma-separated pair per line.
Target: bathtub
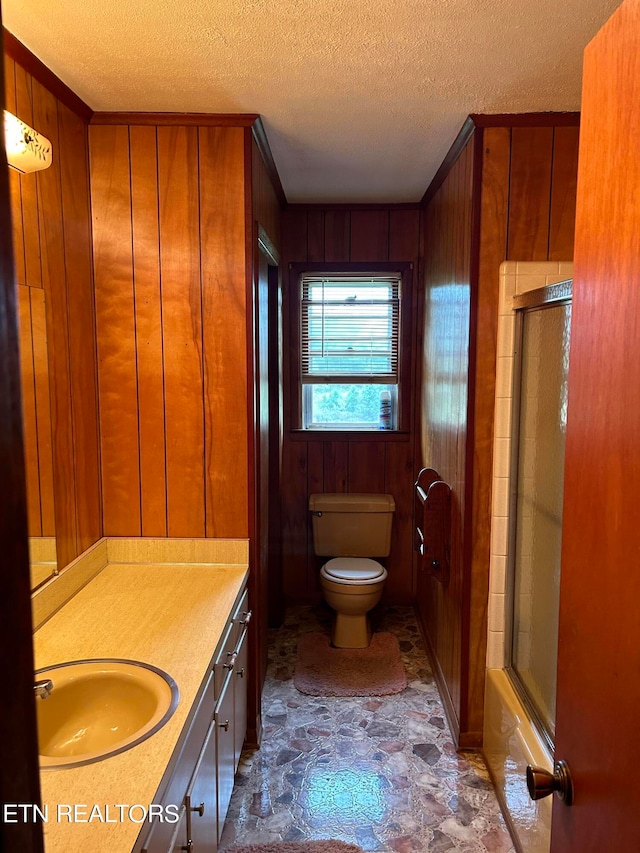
x,y
510,743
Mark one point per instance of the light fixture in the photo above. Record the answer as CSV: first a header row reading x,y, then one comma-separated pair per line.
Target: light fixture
x,y
27,150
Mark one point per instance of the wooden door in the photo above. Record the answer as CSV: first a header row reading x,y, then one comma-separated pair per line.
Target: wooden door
x,y
598,701
19,776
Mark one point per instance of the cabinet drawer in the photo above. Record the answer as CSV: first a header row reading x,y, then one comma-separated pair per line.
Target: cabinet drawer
x,y
231,642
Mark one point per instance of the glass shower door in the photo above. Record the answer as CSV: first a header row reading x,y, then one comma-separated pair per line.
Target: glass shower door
x,y
540,417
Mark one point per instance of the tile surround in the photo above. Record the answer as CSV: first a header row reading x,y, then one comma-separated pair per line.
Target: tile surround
x,y
379,772
516,277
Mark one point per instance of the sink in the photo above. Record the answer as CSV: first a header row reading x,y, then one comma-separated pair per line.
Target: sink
x,y
99,708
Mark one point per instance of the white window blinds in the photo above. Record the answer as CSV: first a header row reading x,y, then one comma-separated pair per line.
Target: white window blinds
x,y
350,328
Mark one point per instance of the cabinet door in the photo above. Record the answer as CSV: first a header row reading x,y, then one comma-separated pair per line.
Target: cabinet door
x,y
240,679
201,800
224,729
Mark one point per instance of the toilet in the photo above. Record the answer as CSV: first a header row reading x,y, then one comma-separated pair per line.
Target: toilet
x,y
352,528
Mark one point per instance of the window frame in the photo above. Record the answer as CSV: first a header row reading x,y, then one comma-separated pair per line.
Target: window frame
x,y
403,415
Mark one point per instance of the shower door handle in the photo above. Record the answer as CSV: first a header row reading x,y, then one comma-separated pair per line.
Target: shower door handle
x,y
541,783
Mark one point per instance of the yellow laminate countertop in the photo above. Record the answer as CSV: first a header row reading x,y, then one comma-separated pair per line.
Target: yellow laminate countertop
x,y
171,616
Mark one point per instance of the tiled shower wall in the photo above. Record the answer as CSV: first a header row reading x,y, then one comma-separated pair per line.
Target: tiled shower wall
x,y
516,277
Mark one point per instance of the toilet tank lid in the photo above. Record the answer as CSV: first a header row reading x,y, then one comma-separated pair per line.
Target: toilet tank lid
x,y
351,502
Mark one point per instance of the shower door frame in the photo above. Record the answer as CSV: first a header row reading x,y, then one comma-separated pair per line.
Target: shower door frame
x,y
533,300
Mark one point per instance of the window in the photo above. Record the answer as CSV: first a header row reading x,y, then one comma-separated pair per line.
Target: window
x,y
350,349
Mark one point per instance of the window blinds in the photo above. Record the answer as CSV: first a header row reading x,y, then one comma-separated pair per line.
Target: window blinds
x,y
350,328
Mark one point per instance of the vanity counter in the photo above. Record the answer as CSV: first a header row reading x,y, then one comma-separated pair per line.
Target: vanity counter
x,y
168,615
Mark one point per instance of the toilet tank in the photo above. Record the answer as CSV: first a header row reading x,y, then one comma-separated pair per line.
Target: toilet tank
x,y
351,525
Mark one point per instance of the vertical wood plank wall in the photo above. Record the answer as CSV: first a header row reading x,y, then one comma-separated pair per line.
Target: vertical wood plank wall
x,y
316,464
52,246
524,192
171,304
444,407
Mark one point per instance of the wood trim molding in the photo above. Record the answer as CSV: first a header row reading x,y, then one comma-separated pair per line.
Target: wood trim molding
x,y
459,144
260,136
176,119
14,49
564,119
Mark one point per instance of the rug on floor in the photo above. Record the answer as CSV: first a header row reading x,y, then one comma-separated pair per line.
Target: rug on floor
x,y
298,847
324,671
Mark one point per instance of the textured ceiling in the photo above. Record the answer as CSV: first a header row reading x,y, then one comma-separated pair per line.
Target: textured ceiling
x,y
360,100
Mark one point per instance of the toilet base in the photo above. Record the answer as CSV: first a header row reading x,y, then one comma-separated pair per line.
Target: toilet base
x,y
351,631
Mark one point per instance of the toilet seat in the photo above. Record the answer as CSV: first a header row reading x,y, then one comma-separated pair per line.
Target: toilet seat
x,y
353,571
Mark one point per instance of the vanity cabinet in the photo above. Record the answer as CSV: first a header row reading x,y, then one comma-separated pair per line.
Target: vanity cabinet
x,y
201,773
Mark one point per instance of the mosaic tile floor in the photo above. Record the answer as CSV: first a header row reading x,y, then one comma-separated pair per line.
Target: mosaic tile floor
x,y
379,772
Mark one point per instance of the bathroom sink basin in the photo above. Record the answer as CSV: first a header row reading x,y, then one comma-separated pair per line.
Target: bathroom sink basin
x,y
100,707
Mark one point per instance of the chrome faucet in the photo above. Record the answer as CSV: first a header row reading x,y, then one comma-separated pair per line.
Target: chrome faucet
x,y
43,688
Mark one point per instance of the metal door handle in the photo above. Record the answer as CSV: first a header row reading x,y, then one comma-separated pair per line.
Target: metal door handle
x,y
541,783
199,809
225,725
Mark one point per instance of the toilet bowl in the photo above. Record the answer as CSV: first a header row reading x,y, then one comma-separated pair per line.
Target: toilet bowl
x,y
352,528
352,586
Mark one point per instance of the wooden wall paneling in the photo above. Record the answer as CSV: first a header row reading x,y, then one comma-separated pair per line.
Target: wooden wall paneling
x,y
564,179
29,183
315,484
116,334
369,235
295,520
182,329
266,205
74,168
29,416
530,193
399,476
444,409
494,201
15,191
225,331
52,251
43,409
336,466
315,235
337,235
404,236
366,466
148,320
294,236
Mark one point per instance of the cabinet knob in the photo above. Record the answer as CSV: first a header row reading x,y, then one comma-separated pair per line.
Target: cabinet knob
x,y
225,725
199,809
232,661
247,617
188,847
240,673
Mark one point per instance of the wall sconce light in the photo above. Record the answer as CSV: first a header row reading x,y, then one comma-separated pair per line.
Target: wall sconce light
x,y
27,150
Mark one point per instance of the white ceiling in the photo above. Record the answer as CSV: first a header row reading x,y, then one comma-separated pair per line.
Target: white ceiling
x,y
360,100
